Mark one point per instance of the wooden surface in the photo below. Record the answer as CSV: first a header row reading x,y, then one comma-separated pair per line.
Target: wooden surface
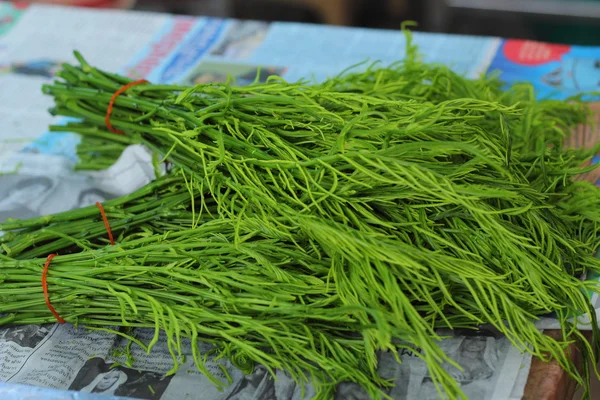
x,y
548,381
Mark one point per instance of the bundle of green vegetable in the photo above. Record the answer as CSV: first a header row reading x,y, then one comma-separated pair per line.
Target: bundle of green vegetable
x,y
307,227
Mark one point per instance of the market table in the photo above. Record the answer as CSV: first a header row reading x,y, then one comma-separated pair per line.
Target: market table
x,y
169,49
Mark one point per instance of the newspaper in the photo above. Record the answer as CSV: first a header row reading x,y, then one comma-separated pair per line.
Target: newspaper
x,y
64,357
36,178
9,15
555,70
32,51
35,184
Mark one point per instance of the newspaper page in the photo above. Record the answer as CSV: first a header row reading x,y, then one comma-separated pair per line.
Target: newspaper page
x,y
216,48
35,164
33,50
46,184
556,70
92,361
9,15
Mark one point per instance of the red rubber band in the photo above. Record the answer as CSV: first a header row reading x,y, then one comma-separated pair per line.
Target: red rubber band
x,y
106,224
111,103
45,288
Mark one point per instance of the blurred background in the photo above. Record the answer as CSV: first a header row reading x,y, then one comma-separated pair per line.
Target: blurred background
x,y
562,21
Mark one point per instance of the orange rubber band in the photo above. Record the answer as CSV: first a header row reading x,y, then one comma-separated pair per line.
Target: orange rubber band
x,y
45,288
106,224
111,103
